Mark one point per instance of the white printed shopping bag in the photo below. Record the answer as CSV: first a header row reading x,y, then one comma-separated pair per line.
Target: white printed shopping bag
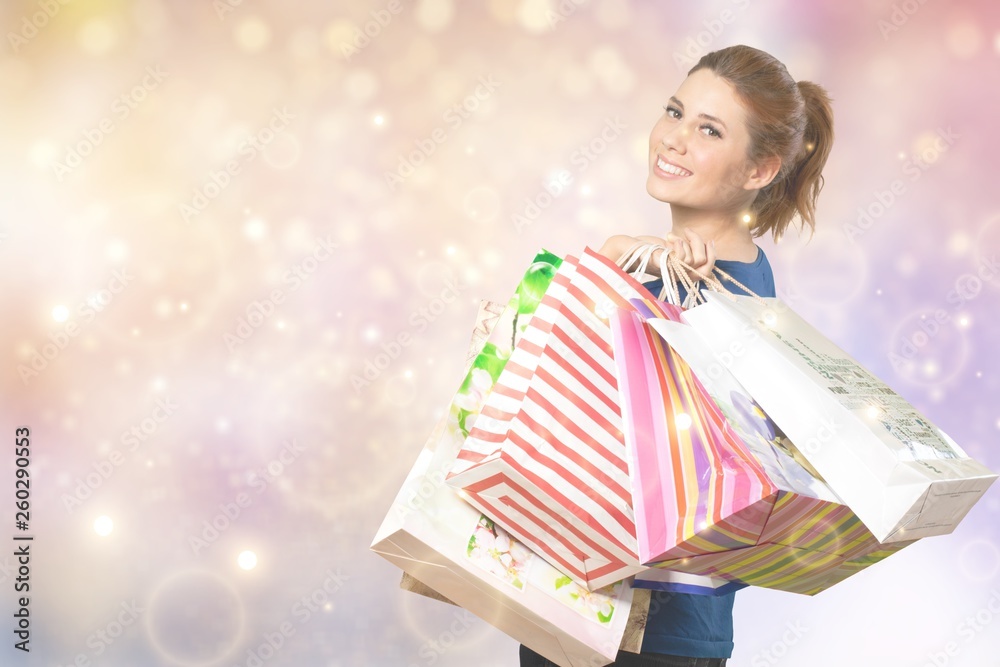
x,y
904,477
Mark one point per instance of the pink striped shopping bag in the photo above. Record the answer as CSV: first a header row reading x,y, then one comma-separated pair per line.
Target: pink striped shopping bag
x,y
546,457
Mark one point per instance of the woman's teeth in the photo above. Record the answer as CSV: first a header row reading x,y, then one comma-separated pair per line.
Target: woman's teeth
x,y
671,169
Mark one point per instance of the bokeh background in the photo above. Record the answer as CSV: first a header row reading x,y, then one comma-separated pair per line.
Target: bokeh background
x,y
215,214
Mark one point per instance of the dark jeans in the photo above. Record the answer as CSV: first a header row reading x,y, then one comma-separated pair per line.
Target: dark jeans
x,y
625,659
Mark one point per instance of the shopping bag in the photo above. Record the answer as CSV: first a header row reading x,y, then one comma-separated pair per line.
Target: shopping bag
x,y
902,476
547,459
461,555
447,544
711,476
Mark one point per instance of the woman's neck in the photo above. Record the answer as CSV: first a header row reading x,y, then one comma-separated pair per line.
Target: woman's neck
x,y
733,240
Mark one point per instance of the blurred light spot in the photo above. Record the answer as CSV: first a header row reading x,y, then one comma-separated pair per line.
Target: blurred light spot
x,y
434,15
747,217
770,319
996,43
382,282
450,250
184,306
103,525
360,85
43,153
959,242
927,147
158,383
612,70
255,228
533,15
247,560
116,250
683,421
964,39
964,321
371,334
222,425
878,291
339,37
97,36
874,411
930,369
379,120
60,313
491,259
164,308
280,324
252,34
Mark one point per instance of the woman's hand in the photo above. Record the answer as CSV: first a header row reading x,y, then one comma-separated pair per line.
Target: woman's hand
x,y
693,251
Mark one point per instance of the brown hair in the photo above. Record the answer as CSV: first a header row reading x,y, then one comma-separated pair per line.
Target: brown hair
x,y
791,120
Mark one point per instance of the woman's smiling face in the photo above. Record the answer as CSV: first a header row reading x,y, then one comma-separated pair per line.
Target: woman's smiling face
x,y
703,139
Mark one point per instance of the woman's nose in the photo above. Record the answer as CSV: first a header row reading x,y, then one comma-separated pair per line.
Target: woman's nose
x,y
676,138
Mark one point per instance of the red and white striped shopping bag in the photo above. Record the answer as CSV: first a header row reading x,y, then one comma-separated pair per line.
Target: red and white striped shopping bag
x,y
546,457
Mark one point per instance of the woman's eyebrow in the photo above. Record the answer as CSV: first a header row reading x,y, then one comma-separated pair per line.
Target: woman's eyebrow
x,y
701,115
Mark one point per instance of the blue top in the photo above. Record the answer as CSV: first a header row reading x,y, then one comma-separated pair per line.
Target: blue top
x,y
701,626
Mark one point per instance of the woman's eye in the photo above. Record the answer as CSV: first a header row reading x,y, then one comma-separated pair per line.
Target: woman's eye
x,y
671,111
712,132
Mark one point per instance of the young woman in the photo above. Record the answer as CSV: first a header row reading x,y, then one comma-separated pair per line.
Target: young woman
x,y
738,153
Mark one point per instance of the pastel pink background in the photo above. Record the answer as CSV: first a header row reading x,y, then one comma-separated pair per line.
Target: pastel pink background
x,y
336,125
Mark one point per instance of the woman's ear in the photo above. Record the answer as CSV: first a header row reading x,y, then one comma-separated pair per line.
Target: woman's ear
x,y
762,173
